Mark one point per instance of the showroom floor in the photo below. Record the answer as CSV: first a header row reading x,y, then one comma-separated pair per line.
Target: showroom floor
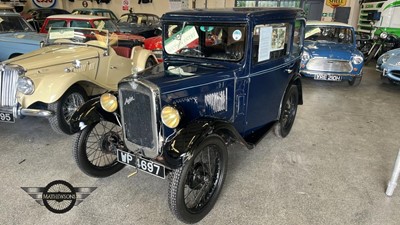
x,y
332,169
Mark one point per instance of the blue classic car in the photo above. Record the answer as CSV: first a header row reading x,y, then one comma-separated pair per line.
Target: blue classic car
x,y
225,80
17,36
330,53
389,66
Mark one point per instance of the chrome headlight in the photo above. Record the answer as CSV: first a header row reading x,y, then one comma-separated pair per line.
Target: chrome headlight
x,y
108,102
25,85
383,58
357,59
305,56
170,116
383,35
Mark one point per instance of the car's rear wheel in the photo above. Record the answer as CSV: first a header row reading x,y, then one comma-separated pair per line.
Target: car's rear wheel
x,y
72,99
195,187
288,113
95,149
150,62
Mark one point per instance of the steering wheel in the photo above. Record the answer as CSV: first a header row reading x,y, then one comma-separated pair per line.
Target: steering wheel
x,y
191,52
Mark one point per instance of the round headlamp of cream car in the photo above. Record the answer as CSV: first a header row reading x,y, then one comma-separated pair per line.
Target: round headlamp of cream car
x,y
357,59
25,85
383,35
109,102
170,116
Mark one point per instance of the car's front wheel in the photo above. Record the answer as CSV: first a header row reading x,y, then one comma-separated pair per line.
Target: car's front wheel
x,y
288,113
194,188
355,81
63,109
95,149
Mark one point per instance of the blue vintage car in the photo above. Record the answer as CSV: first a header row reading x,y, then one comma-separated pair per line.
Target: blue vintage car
x,y
229,79
17,36
330,53
389,66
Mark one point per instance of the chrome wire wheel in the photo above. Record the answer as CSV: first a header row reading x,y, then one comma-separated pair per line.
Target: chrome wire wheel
x,y
71,104
95,149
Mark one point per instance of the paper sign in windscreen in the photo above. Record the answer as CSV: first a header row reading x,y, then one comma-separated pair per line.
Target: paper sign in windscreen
x,y
264,48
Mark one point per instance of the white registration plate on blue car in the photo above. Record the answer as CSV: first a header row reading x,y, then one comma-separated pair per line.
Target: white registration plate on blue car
x,y
327,77
145,165
6,117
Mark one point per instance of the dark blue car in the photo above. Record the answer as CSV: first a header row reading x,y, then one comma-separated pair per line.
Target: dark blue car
x,y
330,53
225,80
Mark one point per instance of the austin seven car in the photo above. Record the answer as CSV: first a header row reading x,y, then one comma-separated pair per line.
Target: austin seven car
x,y
175,120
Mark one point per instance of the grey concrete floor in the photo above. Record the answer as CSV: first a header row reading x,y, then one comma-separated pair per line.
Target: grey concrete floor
x,y
332,169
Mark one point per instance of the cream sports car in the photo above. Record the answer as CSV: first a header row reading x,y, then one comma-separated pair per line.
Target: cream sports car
x,y
74,64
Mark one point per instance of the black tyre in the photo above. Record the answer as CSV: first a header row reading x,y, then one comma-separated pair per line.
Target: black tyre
x,y
150,62
195,187
95,149
288,113
371,55
355,81
72,99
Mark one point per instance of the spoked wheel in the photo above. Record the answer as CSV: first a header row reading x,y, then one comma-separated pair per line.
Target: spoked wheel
x,y
64,108
150,62
288,114
95,149
195,187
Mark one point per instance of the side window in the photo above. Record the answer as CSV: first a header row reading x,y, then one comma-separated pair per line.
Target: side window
x,y
271,41
56,23
298,37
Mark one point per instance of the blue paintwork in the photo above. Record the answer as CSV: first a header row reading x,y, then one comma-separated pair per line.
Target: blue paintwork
x,y
330,50
254,92
18,42
391,67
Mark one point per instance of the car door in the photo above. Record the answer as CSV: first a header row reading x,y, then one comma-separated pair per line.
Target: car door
x,y
270,71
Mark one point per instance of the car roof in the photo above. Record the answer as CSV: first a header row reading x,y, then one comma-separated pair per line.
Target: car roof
x,y
325,23
146,14
91,9
80,17
242,14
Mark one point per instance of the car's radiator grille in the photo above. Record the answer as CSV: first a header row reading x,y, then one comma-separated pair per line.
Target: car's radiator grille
x,y
8,86
329,65
396,73
138,116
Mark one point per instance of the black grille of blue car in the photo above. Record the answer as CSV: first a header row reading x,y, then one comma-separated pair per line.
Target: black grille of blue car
x,y
138,111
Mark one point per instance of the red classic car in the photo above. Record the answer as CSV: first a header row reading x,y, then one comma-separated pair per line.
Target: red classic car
x,y
87,21
155,44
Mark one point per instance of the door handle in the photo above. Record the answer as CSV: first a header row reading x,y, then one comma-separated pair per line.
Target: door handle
x,y
288,70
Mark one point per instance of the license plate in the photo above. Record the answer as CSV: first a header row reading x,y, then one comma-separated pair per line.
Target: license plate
x,y
327,77
6,117
142,164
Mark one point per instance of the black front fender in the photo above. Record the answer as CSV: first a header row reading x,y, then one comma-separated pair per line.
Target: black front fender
x,y
89,113
189,137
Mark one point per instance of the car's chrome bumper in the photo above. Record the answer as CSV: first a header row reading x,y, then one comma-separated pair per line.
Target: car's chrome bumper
x,y
18,112
388,74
